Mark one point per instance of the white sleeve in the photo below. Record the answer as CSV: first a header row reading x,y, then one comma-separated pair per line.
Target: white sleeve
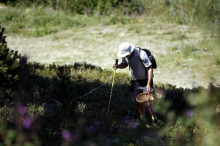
x,y
145,59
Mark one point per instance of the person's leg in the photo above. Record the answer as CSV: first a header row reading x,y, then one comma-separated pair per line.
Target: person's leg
x,y
139,107
135,92
141,111
150,108
142,84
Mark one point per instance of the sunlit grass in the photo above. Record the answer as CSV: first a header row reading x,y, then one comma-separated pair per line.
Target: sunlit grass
x,y
40,21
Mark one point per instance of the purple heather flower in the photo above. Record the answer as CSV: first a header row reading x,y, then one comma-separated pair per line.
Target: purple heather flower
x,y
189,113
134,125
27,122
127,119
21,110
66,135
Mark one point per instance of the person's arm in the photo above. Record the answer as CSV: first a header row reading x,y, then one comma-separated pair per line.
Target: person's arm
x,y
149,68
120,66
150,76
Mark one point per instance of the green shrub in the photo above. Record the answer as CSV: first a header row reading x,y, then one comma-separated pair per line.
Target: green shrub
x,y
58,100
9,62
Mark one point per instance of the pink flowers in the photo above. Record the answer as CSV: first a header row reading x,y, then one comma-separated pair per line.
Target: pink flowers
x,y
66,135
27,122
21,110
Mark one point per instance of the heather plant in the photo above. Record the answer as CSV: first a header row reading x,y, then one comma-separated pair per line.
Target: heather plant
x,y
59,114
19,131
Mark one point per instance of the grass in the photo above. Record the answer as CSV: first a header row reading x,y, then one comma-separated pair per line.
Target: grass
x,y
40,21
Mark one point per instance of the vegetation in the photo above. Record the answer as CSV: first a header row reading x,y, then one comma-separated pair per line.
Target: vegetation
x,y
67,104
9,63
50,105
49,16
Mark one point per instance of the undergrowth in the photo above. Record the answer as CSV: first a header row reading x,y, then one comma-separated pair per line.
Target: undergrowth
x,y
50,105
53,105
68,105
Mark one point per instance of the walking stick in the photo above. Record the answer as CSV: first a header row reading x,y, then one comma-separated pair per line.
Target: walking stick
x,y
113,81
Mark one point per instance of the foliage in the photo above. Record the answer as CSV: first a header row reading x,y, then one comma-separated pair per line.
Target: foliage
x,y
87,7
56,109
39,21
50,104
55,102
9,62
49,16
199,124
182,10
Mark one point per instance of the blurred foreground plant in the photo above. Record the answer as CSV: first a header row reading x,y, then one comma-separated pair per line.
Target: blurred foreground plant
x,y
21,131
200,123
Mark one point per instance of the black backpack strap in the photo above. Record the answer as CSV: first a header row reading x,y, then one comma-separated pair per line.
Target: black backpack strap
x,y
141,60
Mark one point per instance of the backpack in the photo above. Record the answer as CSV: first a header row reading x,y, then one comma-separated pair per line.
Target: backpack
x,y
150,56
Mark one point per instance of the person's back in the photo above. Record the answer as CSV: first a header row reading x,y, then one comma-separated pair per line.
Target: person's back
x,y
138,70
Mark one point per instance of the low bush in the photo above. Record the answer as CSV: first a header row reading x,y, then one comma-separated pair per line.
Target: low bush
x,y
57,107
10,62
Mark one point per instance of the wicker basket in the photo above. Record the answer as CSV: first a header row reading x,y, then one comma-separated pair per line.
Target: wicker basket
x,y
145,99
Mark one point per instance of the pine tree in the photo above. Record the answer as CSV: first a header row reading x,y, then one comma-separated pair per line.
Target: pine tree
x,y
9,62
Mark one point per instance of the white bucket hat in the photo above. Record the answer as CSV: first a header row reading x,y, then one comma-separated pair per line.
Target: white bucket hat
x,y
125,49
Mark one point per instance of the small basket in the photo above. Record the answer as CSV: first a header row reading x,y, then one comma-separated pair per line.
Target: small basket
x,y
145,99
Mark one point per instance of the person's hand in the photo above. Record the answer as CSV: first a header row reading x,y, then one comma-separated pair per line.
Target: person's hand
x,y
148,88
115,66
